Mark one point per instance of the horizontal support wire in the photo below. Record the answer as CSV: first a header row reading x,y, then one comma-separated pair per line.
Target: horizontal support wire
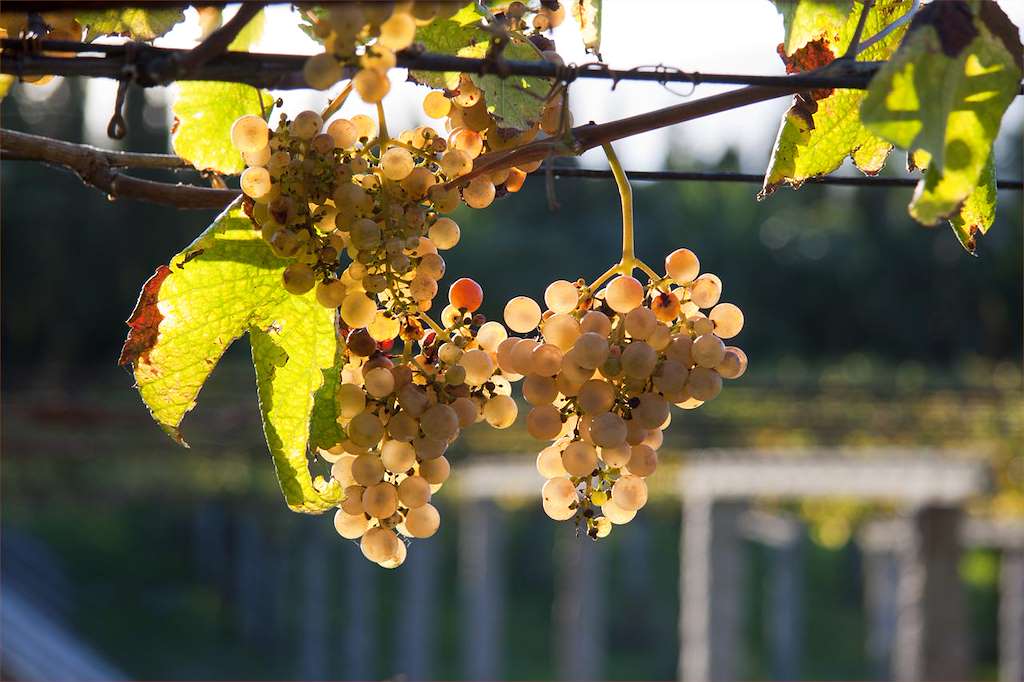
x,y
700,176
154,66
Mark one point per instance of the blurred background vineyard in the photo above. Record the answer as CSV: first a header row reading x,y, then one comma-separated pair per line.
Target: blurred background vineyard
x,y
862,329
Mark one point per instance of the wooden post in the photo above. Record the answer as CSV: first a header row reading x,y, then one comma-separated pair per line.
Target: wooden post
x,y
417,623
360,632
710,582
579,606
482,589
1011,616
932,634
785,607
881,597
313,642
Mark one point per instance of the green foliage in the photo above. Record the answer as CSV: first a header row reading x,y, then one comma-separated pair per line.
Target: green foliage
x,y
944,92
134,22
224,284
823,127
805,21
204,112
515,101
252,32
291,356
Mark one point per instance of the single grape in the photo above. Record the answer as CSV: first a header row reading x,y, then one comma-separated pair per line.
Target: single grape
x,y
250,133
479,193
465,294
624,293
561,296
321,71
444,233
422,522
682,266
522,314
396,163
436,105
298,278
372,85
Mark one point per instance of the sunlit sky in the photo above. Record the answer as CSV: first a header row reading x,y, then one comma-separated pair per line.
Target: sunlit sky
x,y
737,36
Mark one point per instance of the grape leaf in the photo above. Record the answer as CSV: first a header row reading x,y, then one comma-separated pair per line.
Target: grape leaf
x,y
978,211
324,431
806,21
515,102
448,36
290,356
587,14
135,22
944,92
250,33
225,283
204,112
6,81
823,127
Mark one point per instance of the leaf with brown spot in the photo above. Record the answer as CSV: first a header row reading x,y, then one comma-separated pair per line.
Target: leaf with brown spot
x,y
144,321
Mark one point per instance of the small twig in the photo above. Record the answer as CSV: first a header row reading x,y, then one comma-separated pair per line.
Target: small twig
x,y
881,35
95,168
217,42
851,50
337,102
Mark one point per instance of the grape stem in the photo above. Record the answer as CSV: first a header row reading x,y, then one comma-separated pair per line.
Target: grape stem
x,y
337,102
382,125
434,325
629,261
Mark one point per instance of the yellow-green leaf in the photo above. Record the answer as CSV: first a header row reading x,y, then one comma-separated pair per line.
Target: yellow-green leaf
x,y
291,349
978,211
807,20
6,81
823,127
204,113
250,34
135,22
225,283
944,92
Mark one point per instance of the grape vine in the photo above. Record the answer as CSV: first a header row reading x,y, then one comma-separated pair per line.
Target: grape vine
x,y
331,261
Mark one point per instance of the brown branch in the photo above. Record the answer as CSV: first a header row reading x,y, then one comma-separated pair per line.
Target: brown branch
x,y
96,167
217,42
591,136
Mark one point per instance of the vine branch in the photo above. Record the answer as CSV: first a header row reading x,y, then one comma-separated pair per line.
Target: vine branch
x,y
217,42
98,168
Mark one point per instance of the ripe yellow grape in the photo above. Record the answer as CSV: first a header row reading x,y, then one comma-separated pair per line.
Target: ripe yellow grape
x,y
365,430
682,266
444,233
366,127
379,544
379,382
616,514
728,320
414,492
618,456
630,493
733,364
321,71
422,522
395,455
706,290
501,411
436,105
479,366
708,350
624,293
638,360
398,32
549,462
608,430
490,335
396,163
306,125
436,470
562,330
579,459
298,278
255,182
357,310
522,314
250,133
344,133
704,384
479,193
544,422
561,296
380,500
350,526
455,163
440,422
372,85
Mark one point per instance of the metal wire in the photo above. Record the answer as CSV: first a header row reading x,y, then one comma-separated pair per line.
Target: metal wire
x,y
698,176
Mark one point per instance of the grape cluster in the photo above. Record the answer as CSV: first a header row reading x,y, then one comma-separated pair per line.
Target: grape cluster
x,y
602,373
401,412
318,194
366,35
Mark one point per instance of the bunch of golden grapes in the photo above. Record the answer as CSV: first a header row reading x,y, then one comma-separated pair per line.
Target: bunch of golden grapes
x,y
601,370
319,192
401,412
366,35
